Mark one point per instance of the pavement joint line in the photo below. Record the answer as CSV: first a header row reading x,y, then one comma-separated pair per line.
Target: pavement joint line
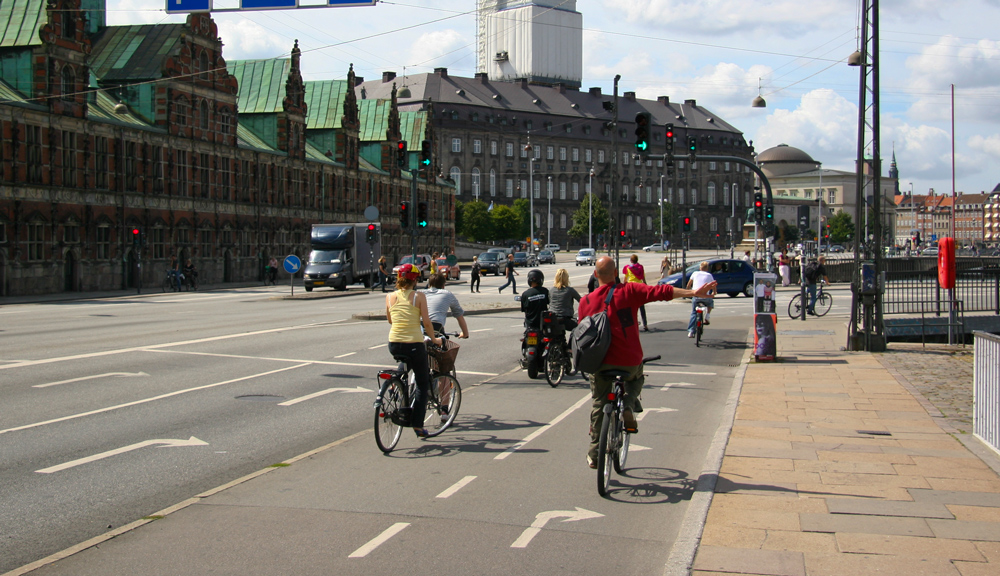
x,y
100,539
682,553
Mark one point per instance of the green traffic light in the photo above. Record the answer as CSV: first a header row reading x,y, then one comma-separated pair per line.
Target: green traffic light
x,y
642,145
426,162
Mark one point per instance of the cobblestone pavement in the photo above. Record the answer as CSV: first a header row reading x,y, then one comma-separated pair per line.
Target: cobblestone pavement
x,y
942,374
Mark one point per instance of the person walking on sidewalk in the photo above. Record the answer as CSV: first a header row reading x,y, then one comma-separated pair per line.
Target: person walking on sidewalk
x,y
634,272
814,272
625,351
477,270
383,273
510,272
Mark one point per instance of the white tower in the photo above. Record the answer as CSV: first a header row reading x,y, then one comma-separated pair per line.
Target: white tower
x,y
540,40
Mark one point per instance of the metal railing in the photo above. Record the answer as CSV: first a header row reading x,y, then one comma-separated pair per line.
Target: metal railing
x,y
979,290
986,386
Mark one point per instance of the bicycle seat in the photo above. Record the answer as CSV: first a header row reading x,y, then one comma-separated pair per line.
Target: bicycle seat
x,y
615,373
401,359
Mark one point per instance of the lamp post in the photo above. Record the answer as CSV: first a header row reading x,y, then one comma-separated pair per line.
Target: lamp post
x,y
661,212
819,213
913,211
531,195
732,222
548,221
590,214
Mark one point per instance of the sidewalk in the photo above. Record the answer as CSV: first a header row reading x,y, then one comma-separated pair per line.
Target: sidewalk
x,y
834,466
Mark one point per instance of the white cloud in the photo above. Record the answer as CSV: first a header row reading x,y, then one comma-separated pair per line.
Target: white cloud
x,y
439,48
245,39
950,61
780,17
988,145
824,125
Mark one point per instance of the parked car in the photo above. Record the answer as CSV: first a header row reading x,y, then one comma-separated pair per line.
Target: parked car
x,y
503,252
657,247
836,248
553,247
423,263
521,259
452,272
586,257
491,262
930,252
735,277
546,257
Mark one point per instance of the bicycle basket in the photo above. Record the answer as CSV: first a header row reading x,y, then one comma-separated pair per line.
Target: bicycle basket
x,y
443,359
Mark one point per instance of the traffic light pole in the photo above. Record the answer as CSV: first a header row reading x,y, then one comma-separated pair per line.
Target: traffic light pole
x,y
411,215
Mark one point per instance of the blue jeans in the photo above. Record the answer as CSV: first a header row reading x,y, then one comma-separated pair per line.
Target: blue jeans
x,y
694,304
811,288
510,282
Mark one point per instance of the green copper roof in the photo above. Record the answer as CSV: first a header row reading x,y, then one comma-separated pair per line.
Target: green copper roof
x,y
325,103
374,115
131,53
248,139
103,108
413,126
262,84
20,21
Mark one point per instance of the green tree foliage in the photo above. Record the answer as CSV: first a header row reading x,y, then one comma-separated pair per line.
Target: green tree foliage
x,y
459,220
841,227
582,215
507,223
670,220
477,222
523,207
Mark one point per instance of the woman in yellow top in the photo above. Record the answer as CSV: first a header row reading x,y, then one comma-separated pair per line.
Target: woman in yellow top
x,y
406,311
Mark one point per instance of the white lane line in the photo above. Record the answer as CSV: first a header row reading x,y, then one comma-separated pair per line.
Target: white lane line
x,y
147,400
670,385
294,401
82,378
641,415
163,442
377,346
680,372
169,344
456,486
379,540
503,455
517,326
482,330
346,355
637,448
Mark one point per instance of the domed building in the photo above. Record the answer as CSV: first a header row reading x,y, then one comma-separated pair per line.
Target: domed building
x,y
798,179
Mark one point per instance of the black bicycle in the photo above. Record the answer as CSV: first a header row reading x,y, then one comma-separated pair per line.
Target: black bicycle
x,y
612,448
397,388
557,359
700,311
823,303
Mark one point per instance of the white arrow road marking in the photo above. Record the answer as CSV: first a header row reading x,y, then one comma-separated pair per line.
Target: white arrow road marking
x,y
543,517
670,385
324,392
165,443
641,415
456,487
82,378
379,540
637,448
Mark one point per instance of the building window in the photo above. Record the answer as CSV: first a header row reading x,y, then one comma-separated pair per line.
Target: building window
x,y
725,166
628,222
562,221
101,163
131,167
523,188
182,173
35,240
649,222
562,153
680,195
456,145
625,158
600,156
494,146
510,188
624,191
456,176
71,233
493,182
477,146
524,152
694,195
550,152
68,82
538,152
33,144
102,241
538,189
509,148
158,243
204,115
832,197
206,243
576,190
713,224
588,155
575,154
711,193
649,194
68,159
475,182
711,165
562,190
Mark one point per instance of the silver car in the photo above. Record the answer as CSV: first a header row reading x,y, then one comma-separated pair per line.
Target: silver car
x,y
586,257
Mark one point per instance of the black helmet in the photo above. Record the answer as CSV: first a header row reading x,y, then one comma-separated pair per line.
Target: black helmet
x,y
536,276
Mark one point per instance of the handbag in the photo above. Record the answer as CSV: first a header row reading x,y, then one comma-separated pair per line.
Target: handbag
x,y
591,339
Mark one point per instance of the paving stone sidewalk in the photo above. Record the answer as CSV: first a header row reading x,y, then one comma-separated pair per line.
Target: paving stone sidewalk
x,y
835,467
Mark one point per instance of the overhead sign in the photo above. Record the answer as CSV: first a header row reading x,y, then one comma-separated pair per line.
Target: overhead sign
x,y
184,6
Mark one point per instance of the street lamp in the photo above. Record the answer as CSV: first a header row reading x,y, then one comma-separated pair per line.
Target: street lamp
x,y
531,195
661,211
913,211
819,213
548,221
732,221
590,215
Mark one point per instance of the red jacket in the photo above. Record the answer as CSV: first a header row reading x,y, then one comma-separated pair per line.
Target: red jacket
x,y
625,348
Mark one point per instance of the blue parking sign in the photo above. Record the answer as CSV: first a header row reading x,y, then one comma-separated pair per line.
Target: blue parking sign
x,y
175,6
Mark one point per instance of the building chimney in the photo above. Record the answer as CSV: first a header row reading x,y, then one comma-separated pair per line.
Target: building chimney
x,y
524,83
388,77
630,96
595,91
442,72
560,87
483,77
691,103
665,100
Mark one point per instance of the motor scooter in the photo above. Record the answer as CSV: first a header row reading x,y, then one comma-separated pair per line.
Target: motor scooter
x,y
532,350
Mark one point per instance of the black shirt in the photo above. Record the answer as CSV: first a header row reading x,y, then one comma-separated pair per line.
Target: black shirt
x,y
476,268
534,301
510,268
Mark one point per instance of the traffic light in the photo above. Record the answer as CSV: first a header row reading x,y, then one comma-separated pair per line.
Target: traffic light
x,y
643,124
687,224
621,233
670,143
404,214
401,157
692,148
422,214
758,207
136,236
372,235
768,220
425,158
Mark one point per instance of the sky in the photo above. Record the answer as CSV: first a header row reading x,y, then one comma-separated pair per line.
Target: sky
x,y
715,51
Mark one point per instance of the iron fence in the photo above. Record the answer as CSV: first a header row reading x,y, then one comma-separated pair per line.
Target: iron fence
x,y
986,385
918,291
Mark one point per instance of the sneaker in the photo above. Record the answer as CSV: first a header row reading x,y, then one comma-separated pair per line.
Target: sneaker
x,y
590,462
500,290
810,312
691,334
631,426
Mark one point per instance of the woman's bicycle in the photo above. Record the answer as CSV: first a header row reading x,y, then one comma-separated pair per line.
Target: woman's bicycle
x,y
612,448
172,282
823,303
397,388
700,311
556,357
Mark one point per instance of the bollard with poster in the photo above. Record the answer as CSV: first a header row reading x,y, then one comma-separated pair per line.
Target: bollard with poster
x,y
765,318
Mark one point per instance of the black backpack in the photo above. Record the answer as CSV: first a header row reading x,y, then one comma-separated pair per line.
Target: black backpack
x,y
591,339
812,272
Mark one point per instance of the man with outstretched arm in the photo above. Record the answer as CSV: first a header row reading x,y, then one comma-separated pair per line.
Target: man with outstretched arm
x,y
625,352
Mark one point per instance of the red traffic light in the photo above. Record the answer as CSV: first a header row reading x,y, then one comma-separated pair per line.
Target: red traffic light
x,y
758,204
401,146
371,227
670,133
621,233
687,220
135,231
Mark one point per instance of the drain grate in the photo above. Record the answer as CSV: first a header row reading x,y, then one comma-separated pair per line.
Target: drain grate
x,y
875,432
261,398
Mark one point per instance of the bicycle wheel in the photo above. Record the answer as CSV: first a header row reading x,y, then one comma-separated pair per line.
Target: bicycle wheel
x,y
168,285
795,307
443,404
699,328
605,452
823,304
555,365
621,455
388,428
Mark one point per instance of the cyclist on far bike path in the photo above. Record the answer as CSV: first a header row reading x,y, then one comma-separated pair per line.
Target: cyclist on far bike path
x,y
406,311
625,352
815,272
696,281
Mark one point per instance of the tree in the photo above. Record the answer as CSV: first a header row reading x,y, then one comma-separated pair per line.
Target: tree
x,y
506,222
477,223
459,220
581,218
523,207
841,227
670,216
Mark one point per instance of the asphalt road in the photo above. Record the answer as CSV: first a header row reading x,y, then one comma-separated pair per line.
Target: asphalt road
x,y
116,408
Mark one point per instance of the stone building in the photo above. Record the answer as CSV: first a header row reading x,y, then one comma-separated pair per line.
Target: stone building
x,y
107,130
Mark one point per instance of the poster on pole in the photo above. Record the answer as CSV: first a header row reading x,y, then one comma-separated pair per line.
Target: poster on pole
x,y
765,336
764,292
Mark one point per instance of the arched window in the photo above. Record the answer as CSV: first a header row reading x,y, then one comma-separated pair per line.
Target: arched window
x,y
680,195
711,194
713,224
694,195
493,182
68,83
475,182
203,62
725,194
456,176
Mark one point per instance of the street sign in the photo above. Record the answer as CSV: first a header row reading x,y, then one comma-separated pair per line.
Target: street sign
x,y
184,6
292,264
188,6
268,4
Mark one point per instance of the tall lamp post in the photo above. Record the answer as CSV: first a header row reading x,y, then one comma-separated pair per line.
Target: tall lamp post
x,y
661,212
732,222
548,221
819,213
913,211
590,214
531,195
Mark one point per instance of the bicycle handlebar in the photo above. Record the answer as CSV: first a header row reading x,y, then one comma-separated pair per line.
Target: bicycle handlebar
x,y
651,359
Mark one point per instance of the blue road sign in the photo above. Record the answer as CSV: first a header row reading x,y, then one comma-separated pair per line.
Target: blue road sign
x,y
292,263
188,6
350,2
267,4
